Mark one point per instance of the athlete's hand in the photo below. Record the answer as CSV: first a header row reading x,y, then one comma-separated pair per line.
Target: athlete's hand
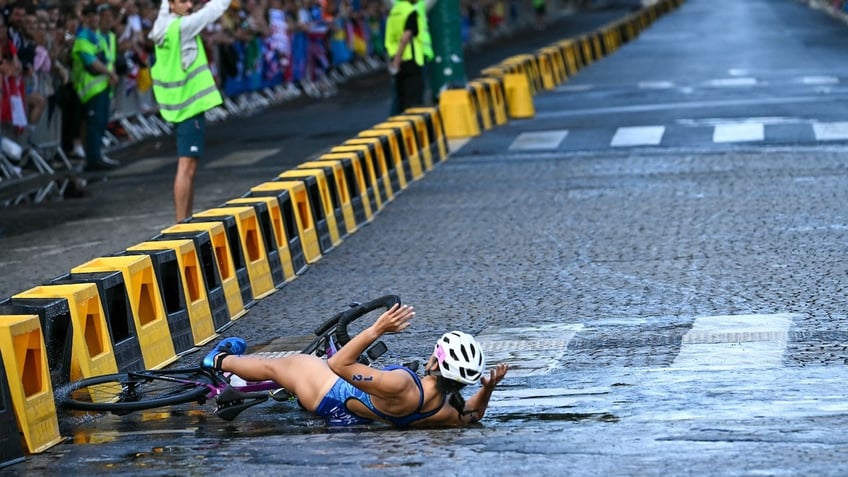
x,y
495,376
395,319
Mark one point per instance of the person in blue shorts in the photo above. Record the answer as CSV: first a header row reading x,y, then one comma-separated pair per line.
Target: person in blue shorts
x,y
346,392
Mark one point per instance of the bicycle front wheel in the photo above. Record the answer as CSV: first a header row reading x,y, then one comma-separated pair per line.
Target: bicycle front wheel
x,y
135,391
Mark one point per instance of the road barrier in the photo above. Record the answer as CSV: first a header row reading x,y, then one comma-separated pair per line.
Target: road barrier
x,y
24,362
210,273
350,211
11,448
393,133
229,261
167,270
114,303
273,237
325,205
307,228
435,130
193,285
286,227
146,308
381,147
365,199
91,352
249,239
157,300
378,186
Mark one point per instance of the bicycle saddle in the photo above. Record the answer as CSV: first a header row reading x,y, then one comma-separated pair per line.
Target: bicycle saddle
x,y
232,402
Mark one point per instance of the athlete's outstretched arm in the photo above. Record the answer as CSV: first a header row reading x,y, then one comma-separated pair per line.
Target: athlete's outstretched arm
x,y
475,406
345,362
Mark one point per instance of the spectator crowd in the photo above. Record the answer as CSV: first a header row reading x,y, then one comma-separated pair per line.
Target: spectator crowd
x,y
256,44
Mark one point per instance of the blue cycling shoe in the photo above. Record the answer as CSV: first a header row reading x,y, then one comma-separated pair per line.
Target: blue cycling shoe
x,y
236,346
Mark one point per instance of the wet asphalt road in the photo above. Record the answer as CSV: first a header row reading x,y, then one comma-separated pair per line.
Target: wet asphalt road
x,y
669,309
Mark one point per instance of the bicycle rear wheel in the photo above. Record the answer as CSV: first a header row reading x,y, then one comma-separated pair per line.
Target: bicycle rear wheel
x,y
136,390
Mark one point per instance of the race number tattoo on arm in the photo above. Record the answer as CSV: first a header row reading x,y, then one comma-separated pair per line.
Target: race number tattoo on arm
x,y
359,377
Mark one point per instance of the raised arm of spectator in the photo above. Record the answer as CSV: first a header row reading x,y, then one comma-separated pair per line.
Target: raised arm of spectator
x,y
195,23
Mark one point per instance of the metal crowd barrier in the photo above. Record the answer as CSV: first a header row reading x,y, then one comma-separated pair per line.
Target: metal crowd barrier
x,y
34,168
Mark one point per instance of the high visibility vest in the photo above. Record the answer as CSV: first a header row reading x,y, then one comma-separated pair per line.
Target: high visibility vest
x,y
394,31
87,84
182,94
424,30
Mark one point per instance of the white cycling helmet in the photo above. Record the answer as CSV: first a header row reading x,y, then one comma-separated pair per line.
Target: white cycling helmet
x,y
460,357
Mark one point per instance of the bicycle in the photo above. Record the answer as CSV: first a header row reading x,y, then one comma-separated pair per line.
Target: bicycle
x,y
123,393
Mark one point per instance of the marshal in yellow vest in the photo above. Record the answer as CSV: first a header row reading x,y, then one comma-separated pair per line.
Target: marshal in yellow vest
x,y
182,94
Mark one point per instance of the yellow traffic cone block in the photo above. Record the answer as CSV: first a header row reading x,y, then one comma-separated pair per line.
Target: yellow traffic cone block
x,y
519,99
459,114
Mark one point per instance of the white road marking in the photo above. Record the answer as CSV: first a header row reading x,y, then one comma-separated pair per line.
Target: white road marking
x,y
656,84
740,132
538,140
731,342
456,144
546,398
638,136
242,158
830,131
574,88
638,108
731,82
819,80
530,351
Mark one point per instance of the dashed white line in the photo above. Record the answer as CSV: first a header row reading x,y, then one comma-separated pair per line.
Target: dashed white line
x,y
741,132
539,140
638,136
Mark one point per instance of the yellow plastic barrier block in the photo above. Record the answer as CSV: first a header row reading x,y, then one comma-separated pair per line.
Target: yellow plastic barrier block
x,y
480,95
495,87
546,71
363,199
529,65
554,54
390,143
11,444
91,353
151,324
378,185
270,217
459,114
27,372
422,136
252,245
324,205
305,226
120,323
230,262
340,193
435,130
572,57
167,271
410,152
393,178
287,221
193,283
519,100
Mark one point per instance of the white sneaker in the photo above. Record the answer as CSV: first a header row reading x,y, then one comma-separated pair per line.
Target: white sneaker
x,y
78,152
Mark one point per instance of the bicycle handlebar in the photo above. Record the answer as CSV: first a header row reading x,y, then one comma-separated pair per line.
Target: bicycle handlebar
x,y
348,316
